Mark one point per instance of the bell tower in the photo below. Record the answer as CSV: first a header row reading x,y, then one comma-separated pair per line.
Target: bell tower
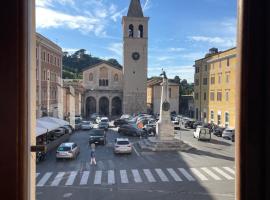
x,y
135,55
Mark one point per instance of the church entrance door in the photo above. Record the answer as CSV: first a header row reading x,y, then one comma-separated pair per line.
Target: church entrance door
x,y
104,106
90,106
116,106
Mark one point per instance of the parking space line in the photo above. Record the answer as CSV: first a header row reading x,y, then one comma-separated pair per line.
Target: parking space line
x,y
162,176
149,175
84,178
44,179
186,174
136,175
71,178
227,176
214,176
111,178
123,175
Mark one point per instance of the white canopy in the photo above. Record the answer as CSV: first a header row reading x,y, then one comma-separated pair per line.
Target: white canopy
x,y
46,124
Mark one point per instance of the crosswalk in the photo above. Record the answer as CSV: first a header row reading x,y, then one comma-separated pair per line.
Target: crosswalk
x,y
133,176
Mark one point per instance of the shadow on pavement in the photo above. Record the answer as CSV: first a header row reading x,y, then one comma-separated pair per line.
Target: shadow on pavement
x,y
210,154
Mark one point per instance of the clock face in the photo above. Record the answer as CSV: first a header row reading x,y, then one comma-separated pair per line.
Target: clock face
x,y
135,56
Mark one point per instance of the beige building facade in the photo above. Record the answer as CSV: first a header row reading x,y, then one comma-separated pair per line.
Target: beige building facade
x,y
48,78
154,95
214,92
135,59
69,104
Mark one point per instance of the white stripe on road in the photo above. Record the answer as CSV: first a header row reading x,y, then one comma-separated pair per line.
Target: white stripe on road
x,y
174,174
149,175
71,178
136,151
58,179
44,179
199,174
136,175
227,176
186,174
229,170
98,177
37,174
111,178
214,176
123,175
162,176
84,178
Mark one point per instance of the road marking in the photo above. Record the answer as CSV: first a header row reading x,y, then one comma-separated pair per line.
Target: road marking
x,y
58,179
162,176
199,174
136,151
136,175
44,179
227,176
214,176
37,174
229,170
149,175
98,177
123,175
71,178
111,178
174,174
186,174
84,178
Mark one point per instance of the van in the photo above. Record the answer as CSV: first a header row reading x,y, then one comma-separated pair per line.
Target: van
x,y
202,133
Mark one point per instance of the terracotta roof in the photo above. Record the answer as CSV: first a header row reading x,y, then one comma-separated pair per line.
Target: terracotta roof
x,y
135,9
103,62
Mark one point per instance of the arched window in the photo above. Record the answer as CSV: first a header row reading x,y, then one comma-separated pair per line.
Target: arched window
x,y
130,30
91,77
115,77
140,33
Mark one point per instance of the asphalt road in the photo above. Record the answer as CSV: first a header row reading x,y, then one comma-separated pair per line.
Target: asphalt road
x,y
205,172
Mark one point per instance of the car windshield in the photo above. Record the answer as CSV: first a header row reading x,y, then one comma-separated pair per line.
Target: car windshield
x,y
97,133
63,149
123,142
104,120
85,123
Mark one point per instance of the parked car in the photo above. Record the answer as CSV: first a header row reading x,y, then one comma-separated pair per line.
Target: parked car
x,y
233,136
189,123
97,136
197,123
122,145
131,130
68,130
119,122
150,129
218,131
227,133
67,150
86,125
59,132
104,123
202,133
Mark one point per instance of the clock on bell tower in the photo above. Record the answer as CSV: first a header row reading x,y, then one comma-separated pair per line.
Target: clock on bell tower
x,y
135,55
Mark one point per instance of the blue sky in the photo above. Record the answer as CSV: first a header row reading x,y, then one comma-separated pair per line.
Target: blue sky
x,y
180,31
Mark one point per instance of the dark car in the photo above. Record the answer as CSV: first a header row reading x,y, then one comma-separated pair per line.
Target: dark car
x,y
150,129
131,130
189,124
233,136
119,122
197,123
97,136
218,131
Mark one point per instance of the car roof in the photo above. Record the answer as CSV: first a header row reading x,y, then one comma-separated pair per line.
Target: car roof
x,y
104,118
67,144
122,139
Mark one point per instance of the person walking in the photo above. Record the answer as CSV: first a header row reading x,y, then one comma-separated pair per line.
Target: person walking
x,y
93,155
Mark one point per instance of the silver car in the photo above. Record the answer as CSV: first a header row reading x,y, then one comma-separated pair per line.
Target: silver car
x,y
228,133
122,145
67,150
86,125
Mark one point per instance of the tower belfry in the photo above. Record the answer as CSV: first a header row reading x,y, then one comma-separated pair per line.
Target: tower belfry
x,y
135,55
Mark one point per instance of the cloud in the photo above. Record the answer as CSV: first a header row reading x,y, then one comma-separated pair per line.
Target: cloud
x,y
184,72
146,5
116,48
221,41
172,49
118,15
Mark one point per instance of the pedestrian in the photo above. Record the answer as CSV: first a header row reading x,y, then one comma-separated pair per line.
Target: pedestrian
x,y
93,155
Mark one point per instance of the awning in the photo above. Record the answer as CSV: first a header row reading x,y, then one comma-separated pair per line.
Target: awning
x,y
46,124
60,122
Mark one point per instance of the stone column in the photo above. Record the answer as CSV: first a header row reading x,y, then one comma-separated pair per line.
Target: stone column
x,y
110,105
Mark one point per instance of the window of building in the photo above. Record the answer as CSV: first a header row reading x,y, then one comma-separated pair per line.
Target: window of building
x,y
205,67
55,60
212,80
219,119
51,59
227,78
204,96
219,78
212,96
205,81
197,82
48,57
212,116
219,96
115,77
130,30
58,62
227,95
170,92
103,82
36,53
44,75
219,64
228,62
91,77
227,119
196,96
197,69
44,56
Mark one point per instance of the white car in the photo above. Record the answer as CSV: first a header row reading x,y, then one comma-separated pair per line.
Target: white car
x,y
86,125
228,133
202,133
122,145
68,150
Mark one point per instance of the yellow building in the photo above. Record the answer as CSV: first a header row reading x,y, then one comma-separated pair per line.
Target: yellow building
x,y
214,90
